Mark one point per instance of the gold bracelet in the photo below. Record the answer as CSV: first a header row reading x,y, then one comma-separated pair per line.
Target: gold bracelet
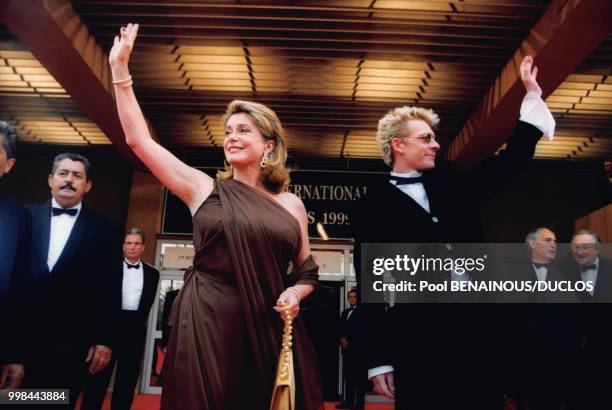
x,y
296,292
126,82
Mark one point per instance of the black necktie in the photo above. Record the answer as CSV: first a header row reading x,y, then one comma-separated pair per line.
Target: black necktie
x,y
130,266
587,267
405,180
539,265
59,211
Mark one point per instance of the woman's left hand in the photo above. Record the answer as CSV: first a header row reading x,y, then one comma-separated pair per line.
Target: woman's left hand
x,y
288,300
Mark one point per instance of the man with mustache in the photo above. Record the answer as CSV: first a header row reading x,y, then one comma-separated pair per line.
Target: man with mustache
x,y
15,233
438,356
73,272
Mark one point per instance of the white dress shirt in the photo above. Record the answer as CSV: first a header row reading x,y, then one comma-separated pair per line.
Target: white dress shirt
x,y
415,191
590,275
533,111
61,227
541,272
133,282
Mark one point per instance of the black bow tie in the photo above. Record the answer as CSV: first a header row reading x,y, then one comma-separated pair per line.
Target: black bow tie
x,y
587,267
130,266
539,265
59,211
405,180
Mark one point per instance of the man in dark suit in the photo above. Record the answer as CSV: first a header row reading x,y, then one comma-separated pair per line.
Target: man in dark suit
x,y
134,296
15,236
545,334
587,390
586,265
350,339
72,276
437,356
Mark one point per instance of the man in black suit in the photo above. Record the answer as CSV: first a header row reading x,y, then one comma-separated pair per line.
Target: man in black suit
x,y
438,356
135,296
587,389
350,338
545,328
72,276
15,235
586,265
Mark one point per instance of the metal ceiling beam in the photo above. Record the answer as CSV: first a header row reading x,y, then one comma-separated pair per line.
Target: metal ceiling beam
x,y
567,33
56,36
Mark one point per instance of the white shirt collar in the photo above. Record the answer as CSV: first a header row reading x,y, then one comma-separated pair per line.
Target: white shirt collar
x,y
78,206
127,261
410,174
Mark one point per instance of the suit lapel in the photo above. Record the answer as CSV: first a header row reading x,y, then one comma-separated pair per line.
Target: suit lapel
x,y
401,200
42,235
352,315
78,231
534,273
149,286
146,282
433,193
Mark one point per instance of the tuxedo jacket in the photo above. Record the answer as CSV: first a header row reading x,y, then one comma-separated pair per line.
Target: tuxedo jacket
x,y
351,328
595,313
136,320
603,284
15,266
547,316
71,307
386,215
344,327
524,270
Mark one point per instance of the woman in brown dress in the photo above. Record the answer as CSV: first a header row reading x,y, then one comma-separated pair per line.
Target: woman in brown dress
x,y
226,321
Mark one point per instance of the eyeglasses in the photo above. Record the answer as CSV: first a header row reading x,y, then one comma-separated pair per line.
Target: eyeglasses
x,y
584,247
427,138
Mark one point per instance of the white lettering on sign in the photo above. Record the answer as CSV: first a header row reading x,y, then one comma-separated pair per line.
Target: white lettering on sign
x,y
328,192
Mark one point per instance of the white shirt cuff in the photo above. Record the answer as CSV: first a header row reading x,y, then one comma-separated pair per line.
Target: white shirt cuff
x,y
535,112
379,370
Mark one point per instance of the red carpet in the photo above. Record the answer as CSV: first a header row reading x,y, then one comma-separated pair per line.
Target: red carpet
x,y
151,402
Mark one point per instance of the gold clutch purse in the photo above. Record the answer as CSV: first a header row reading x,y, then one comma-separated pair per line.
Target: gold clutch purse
x,y
283,394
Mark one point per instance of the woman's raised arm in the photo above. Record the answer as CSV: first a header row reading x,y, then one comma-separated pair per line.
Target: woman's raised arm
x,y
189,184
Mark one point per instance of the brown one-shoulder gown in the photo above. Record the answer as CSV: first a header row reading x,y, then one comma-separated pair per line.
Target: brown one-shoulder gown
x,y
225,338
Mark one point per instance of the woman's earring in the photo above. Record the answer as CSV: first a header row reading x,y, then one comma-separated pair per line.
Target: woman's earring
x,y
264,159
